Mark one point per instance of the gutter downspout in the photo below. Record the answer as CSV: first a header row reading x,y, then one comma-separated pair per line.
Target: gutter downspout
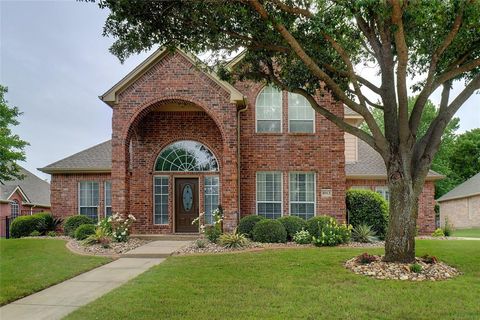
x,y
238,157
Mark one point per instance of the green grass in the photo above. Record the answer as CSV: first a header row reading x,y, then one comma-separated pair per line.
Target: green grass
x,y
30,265
292,284
468,233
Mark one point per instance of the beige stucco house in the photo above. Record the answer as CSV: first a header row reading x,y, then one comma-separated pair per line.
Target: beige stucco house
x,y
461,206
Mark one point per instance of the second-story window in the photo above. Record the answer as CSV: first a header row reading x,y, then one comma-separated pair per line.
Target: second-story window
x,y
301,116
269,110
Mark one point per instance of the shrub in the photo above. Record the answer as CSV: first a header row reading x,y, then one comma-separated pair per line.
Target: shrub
x,y
302,237
98,237
35,233
429,259
212,233
247,224
233,240
292,224
448,228
105,225
83,231
72,223
23,226
367,207
200,243
120,226
366,258
269,231
364,233
51,234
438,233
48,222
416,268
326,232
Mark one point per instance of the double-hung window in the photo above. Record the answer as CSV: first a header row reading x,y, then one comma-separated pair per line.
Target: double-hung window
x,y
89,199
301,116
211,197
160,214
383,191
302,194
108,198
14,209
269,110
269,194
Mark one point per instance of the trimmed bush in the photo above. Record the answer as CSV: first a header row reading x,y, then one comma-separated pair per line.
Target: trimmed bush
x,y
84,230
292,225
72,223
23,226
302,237
269,231
369,208
247,224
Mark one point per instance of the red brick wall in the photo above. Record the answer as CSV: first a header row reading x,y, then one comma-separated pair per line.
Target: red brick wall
x,y
426,204
172,80
321,152
64,192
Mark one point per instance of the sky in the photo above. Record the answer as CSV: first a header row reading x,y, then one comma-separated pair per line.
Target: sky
x,y
55,63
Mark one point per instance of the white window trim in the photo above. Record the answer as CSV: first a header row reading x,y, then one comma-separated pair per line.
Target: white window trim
x,y
382,189
154,194
314,192
281,192
281,113
288,113
80,206
105,198
219,190
16,204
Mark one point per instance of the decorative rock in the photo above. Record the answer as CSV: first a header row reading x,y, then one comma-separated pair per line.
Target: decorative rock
x,y
115,248
401,271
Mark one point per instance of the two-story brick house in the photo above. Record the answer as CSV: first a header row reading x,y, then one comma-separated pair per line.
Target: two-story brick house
x,y
184,142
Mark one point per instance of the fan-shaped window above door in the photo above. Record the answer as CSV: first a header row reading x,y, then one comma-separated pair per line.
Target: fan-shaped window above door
x,y
186,155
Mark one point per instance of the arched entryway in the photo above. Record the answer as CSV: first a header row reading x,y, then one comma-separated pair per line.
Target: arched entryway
x,y
186,183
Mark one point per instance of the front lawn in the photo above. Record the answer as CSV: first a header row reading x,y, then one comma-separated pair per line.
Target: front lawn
x,y
468,233
292,284
30,265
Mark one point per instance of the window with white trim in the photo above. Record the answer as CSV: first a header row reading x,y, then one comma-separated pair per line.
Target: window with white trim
x,y
14,209
160,214
89,199
383,191
269,110
211,197
302,194
301,116
108,198
269,194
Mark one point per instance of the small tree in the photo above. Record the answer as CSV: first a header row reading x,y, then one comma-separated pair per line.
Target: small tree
x,y
313,47
11,146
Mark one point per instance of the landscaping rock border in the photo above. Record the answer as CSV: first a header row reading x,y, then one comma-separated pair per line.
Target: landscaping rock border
x,y
115,248
382,270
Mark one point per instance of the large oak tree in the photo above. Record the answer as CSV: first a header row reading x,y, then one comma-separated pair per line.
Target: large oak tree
x,y
308,46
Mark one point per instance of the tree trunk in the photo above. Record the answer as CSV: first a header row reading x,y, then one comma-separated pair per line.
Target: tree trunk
x,y
403,213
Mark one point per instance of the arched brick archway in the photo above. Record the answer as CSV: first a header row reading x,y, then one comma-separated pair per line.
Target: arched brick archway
x,y
148,130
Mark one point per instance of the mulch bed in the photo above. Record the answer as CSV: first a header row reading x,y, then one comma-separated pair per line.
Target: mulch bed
x,y
382,270
114,248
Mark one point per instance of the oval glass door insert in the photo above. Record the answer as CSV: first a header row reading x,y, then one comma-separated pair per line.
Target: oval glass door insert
x,y
187,197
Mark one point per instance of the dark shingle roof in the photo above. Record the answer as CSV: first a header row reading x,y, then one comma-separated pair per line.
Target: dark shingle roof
x,y
95,159
36,189
469,188
371,164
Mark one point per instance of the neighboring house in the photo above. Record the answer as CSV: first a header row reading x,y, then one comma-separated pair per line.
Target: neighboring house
x,y
461,205
23,197
184,142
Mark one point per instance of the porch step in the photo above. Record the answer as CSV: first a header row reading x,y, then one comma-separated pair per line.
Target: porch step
x,y
168,237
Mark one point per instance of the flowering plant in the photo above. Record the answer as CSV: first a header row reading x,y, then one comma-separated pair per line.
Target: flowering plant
x,y
121,226
213,231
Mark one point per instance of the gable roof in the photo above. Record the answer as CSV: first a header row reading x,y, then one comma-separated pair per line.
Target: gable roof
x,y
34,190
96,159
370,165
469,188
110,96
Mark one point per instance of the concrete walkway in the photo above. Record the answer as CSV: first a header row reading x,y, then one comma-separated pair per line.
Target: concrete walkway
x,y
61,299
